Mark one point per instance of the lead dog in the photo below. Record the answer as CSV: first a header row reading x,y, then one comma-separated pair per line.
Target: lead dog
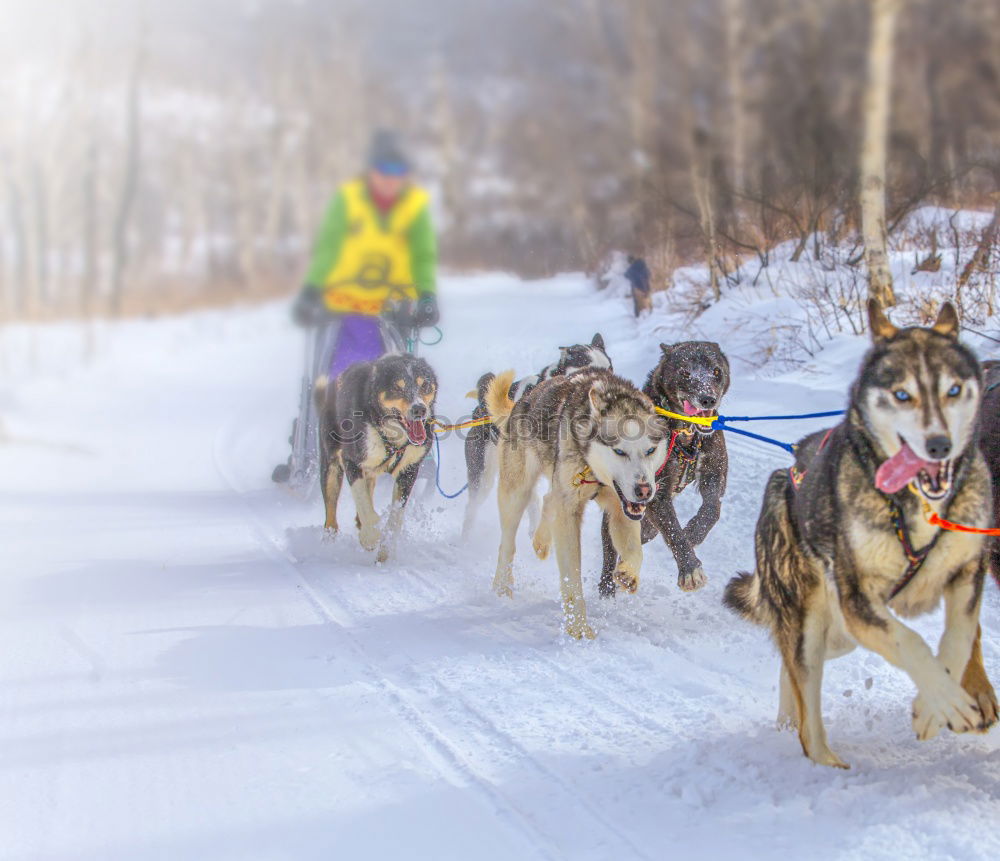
x,y
373,420
596,437
480,443
691,378
843,545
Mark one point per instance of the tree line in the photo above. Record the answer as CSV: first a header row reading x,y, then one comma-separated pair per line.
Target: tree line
x,y
157,156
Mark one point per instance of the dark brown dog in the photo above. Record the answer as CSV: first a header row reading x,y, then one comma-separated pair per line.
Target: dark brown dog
x,y
691,378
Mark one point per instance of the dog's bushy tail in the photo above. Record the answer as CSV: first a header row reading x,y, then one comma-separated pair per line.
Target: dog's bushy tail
x,y
752,595
479,392
742,596
497,398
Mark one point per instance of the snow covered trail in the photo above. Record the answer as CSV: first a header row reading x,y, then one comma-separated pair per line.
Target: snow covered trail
x,y
191,669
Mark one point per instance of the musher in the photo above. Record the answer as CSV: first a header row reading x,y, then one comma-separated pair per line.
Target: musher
x,y
371,285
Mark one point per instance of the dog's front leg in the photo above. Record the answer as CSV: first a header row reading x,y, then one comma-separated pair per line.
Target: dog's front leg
x,y
401,491
976,682
690,574
567,520
959,651
940,701
361,490
711,489
626,539
331,479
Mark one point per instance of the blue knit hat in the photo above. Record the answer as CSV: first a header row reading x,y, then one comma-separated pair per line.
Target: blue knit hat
x,y
385,154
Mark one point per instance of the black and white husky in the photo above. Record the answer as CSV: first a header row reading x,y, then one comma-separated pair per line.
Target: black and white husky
x,y
595,436
480,444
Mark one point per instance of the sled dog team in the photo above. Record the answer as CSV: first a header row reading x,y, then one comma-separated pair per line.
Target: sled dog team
x,y
848,540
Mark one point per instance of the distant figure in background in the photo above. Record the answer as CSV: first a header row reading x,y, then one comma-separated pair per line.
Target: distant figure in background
x,y
638,277
371,285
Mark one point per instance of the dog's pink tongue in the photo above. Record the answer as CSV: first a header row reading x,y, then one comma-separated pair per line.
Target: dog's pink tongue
x,y
689,410
900,469
417,432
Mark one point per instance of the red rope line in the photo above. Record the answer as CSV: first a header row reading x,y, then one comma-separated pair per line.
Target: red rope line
x,y
935,519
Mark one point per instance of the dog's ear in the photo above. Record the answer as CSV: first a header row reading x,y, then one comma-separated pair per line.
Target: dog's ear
x,y
947,321
666,349
598,398
598,341
881,328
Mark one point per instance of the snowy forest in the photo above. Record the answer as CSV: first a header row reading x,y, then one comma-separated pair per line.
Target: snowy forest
x,y
172,155
707,290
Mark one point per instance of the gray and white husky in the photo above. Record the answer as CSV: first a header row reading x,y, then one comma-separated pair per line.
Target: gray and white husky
x,y
846,542
595,436
480,443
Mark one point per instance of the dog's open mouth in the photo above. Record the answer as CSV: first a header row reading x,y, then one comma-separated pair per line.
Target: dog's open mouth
x,y
690,410
416,430
633,510
931,477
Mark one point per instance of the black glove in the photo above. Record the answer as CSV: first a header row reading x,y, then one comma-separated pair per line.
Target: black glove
x,y
427,311
309,310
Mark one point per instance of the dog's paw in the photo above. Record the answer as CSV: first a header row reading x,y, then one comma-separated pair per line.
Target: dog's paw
x,y
989,709
627,580
370,537
825,756
786,722
979,688
503,585
579,629
947,706
606,588
692,581
384,552
541,544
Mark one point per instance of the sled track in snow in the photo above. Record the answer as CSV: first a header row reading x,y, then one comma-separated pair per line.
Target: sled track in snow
x,y
452,765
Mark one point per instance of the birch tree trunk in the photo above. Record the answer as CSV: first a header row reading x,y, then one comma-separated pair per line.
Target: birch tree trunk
x,y
873,151
735,34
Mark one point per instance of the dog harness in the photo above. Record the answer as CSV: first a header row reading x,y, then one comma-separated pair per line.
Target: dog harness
x,y
914,558
392,452
688,457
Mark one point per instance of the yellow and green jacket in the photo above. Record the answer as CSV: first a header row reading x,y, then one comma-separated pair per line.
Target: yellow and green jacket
x,y
363,258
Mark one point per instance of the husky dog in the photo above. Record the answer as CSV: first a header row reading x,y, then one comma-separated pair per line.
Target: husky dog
x,y
374,419
690,379
595,436
480,444
844,542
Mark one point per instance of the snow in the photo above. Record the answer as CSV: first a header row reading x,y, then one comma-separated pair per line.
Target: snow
x,y
191,669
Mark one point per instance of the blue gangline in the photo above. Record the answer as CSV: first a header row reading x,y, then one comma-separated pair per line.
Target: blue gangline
x,y
825,415
720,423
437,471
